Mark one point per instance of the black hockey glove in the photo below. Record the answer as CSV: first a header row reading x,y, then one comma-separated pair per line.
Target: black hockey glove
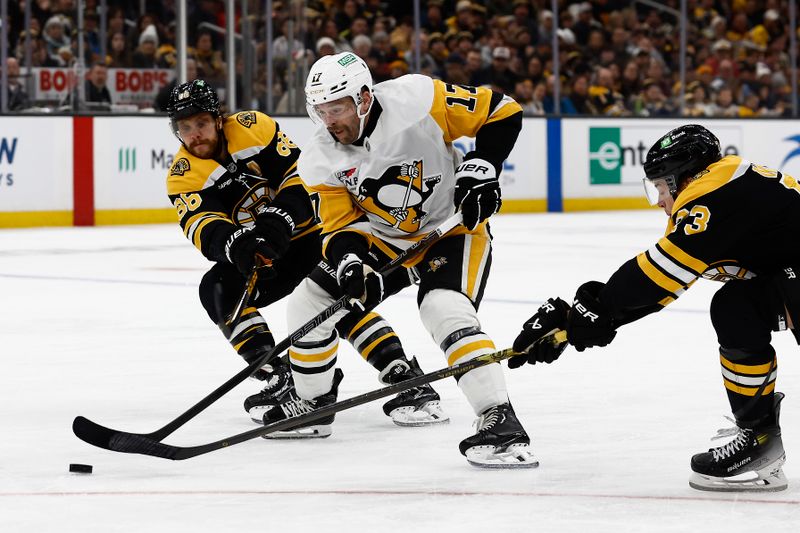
x,y
276,226
362,284
551,317
590,322
477,192
246,248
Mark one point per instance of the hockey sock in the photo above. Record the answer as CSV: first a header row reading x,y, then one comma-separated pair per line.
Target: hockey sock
x,y
373,337
313,365
484,387
749,377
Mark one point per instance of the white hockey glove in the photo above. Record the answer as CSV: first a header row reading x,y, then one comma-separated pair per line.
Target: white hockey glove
x,y
477,192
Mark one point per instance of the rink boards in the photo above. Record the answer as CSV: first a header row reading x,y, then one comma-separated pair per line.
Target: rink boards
x,y
60,171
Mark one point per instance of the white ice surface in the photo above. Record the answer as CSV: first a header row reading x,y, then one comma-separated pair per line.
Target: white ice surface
x,y
106,323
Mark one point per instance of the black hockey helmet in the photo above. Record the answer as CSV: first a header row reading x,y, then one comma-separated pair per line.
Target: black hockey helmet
x,y
681,153
189,99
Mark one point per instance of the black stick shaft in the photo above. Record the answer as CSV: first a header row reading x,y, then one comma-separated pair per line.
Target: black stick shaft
x,y
100,436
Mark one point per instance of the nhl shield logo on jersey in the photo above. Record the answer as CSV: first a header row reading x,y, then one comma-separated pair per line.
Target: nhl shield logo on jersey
x,y
246,118
349,177
398,195
180,167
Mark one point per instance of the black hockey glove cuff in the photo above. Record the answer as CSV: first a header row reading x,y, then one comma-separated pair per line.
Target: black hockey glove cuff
x,y
551,317
363,285
590,322
245,248
345,242
477,192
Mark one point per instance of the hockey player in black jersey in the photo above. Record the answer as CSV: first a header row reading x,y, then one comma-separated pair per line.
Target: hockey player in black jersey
x,y
730,220
239,200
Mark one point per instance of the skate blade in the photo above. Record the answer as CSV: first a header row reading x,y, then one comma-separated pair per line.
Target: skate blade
x,y
429,414
773,480
515,456
310,432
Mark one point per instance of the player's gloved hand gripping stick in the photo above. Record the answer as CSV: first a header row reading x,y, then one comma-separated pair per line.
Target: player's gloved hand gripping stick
x,y
115,440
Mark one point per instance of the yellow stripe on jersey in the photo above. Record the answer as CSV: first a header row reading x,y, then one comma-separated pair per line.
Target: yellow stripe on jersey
x,y
666,301
336,207
745,369
681,257
504,109
469,348
289,171
459,111
656,276
193,227
189,173
477,250
719,173
248,131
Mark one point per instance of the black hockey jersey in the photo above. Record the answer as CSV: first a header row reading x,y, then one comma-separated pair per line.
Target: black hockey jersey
x,y
213,198
736,221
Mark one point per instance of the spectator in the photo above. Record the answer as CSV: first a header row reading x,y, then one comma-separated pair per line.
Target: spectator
x,y
118,54
579,95
55,38
17,94
95,84
724,105
548,102
397,68
326,47
473,65
362,46
328,29
433,21
697,103
344,18
545,26
652,102
162,98
455,71
498,74
209,61
145,54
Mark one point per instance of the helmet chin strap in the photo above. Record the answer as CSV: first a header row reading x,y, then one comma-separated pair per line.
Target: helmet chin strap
x,y
362,119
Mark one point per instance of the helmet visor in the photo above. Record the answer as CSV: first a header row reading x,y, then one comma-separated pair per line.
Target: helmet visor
x,y
658,189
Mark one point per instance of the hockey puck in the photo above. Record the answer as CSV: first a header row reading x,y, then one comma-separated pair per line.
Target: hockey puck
x,y
80,469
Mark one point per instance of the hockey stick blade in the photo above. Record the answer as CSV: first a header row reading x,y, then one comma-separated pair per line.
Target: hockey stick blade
x,y
103,437
137,444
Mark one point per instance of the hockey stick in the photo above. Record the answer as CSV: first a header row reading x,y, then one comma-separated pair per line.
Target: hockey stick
x,y
104,437
134,443
249,286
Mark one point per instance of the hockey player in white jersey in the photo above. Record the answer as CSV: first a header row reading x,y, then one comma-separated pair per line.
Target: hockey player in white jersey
x,y
382,171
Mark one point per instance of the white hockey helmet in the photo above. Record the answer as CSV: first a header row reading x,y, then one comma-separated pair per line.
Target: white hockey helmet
x,y
335,77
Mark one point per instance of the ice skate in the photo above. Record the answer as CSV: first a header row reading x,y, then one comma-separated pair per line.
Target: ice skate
x,y
418,406
290,404
278,383
501,441
751,462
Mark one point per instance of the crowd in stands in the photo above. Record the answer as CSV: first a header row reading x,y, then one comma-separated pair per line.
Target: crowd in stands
x,y
617,57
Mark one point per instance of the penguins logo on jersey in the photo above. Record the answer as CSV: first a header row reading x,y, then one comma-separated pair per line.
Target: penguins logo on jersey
x,y
246,118
398,195
180,167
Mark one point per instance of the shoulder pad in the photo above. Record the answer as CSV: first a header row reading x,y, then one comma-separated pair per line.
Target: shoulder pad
x,y
189,173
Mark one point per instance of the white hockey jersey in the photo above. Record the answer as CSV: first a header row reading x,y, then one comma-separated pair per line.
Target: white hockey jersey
x,y
402,176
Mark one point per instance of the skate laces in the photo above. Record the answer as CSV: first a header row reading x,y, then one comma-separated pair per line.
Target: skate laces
x,y
487,420
734,446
